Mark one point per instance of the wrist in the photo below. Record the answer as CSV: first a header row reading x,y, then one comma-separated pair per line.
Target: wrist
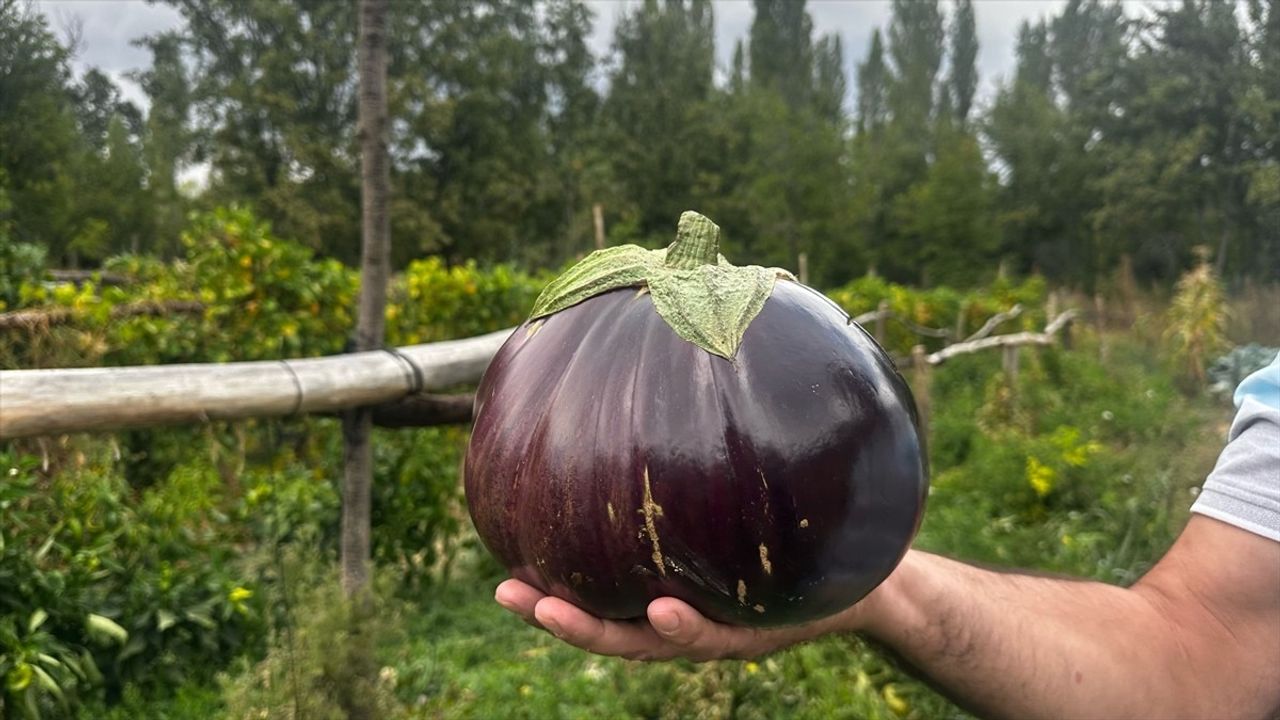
x,y
876,610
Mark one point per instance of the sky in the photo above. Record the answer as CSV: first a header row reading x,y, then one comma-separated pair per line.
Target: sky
x,y
108,27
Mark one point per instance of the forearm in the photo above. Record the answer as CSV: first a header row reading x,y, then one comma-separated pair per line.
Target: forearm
x,y
1021,646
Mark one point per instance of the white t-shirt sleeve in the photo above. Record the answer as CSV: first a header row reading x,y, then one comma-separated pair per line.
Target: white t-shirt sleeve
x,y
1244,487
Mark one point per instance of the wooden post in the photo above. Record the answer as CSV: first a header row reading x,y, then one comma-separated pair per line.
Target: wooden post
x,y
882,316
803,261
920,369
375,267
960,320
1010,365
1100,317
597,218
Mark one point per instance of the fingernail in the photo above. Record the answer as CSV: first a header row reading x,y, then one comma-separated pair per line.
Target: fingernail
x,y
553,628
666,623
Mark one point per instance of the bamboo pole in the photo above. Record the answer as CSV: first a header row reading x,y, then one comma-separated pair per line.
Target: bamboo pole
x,y
52,402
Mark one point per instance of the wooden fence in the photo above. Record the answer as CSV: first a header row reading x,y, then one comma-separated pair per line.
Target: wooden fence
x,y
396,382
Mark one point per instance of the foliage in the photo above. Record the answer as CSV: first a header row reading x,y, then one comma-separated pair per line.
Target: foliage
x,y
431,302
1071,470
264,297
941,308
20,264
1196,323
101,587
176,536
316,665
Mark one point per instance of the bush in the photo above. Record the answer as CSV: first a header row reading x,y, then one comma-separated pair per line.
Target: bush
x,y
941,308
1196,322
321,661
102,587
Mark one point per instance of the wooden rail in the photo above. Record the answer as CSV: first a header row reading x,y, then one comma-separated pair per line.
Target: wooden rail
x,y
50,402
29,320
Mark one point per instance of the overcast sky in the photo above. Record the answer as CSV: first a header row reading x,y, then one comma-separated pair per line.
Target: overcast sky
x,y
108,28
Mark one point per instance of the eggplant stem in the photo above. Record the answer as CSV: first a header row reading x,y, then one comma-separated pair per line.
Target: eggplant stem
x,y
697,242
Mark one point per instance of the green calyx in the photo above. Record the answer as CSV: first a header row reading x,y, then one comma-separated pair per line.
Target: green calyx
x,y
704,299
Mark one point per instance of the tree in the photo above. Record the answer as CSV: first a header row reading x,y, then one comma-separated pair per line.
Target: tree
x,y
274,94
916,41
375,267
783,180
167,139
471,98
1040,184
947,220
829,82
38,168
572,129
962,81
782,50
659,114
873,87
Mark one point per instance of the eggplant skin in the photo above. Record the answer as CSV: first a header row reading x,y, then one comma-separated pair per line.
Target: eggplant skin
x,y
613,462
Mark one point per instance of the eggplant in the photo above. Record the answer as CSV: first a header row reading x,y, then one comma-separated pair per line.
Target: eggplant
x,y
668,424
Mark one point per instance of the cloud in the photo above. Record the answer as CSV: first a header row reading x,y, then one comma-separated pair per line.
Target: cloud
x,y
109,26
107,29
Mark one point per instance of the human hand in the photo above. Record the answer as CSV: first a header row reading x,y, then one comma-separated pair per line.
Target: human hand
x,y
671,629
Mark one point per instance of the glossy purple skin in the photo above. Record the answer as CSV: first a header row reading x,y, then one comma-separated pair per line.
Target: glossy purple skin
x,y
782,486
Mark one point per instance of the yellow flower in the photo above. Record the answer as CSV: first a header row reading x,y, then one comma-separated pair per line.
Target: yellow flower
x,y
752,668
239,595
1040,476
894,700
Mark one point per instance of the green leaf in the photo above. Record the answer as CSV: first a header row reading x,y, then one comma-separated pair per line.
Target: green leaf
x,y
165,620
704,298
711,306
90,668
134,647
49,683
107,628
37,619
201,619
597,273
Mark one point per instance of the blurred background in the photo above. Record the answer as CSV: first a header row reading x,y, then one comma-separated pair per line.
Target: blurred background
x,y
180,182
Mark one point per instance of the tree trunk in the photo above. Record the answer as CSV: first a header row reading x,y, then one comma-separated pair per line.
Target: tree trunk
x,y
374,269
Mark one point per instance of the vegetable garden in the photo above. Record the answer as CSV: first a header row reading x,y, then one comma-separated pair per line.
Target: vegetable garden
x,y
187,571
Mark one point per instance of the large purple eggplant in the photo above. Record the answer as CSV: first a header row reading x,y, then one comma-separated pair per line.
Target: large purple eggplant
x,y
669,424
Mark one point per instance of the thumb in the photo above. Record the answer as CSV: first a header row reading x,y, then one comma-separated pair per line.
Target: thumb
x,y
681,625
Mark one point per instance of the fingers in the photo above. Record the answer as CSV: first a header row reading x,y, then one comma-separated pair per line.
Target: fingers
x,y
635,641
673,628
520,598
698,638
